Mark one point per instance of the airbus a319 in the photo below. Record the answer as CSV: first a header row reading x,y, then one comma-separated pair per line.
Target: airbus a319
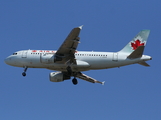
x,y
68,62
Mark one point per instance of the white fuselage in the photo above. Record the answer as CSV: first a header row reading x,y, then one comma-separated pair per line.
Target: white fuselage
x,y
85,60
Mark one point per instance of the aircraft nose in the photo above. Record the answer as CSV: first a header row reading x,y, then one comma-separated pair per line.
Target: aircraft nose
x,y
7,60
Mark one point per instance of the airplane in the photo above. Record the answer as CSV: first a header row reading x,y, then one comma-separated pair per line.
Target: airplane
x,y
68,62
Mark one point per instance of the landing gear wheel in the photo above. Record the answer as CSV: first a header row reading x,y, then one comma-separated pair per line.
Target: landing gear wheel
x,y
24,74
75,82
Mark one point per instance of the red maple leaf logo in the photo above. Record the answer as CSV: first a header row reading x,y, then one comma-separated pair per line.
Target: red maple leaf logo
x,y
136,44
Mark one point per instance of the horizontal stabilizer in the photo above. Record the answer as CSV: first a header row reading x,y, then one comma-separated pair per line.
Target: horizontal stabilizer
x,y
144,63
137,53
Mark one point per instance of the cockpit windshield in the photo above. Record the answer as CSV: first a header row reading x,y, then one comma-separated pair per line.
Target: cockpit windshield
x,y
14,53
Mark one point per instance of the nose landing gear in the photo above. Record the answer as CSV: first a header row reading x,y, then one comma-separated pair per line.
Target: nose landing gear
x,y
24,73
75,81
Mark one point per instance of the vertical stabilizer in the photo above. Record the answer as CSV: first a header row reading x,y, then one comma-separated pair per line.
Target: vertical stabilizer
x,y
139,40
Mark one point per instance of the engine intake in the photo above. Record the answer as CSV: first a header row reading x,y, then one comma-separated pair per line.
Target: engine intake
x,y
58,77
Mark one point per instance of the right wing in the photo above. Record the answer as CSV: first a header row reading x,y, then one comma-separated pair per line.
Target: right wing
x,y
87,78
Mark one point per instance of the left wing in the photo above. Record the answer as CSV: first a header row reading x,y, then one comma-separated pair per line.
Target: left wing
x,y
67,50
87,78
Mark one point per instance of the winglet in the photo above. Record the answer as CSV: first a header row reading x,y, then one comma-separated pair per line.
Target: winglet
x,y
103,83
80,26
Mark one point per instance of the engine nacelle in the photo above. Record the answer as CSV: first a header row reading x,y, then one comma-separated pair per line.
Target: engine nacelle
x,y
58,77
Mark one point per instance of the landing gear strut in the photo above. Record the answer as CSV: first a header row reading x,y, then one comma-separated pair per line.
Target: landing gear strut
x,y
75,81
69,70
24,73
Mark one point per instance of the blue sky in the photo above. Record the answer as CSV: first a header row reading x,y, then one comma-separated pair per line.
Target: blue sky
x,y
131,92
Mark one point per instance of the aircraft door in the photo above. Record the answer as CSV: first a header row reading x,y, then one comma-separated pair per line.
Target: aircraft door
x,y
115,57
24,54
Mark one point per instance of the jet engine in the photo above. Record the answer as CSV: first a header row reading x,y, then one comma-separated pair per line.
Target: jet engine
x,y
58,77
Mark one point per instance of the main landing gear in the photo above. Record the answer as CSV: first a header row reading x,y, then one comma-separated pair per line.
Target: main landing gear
x,y
69,71
75,81
24,73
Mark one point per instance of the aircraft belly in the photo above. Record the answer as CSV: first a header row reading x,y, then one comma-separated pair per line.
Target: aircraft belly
x,y
80,66
105,63
64,68
98,63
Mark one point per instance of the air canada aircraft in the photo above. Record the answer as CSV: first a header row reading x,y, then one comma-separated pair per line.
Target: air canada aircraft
x,y
70,63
